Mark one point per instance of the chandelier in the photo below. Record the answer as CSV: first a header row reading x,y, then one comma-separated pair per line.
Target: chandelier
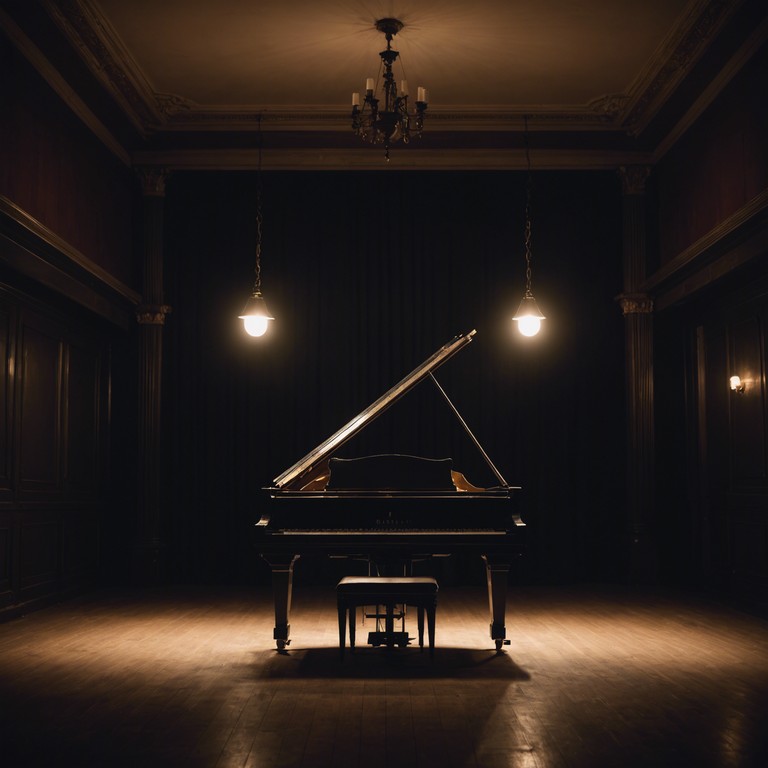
x,y
390,122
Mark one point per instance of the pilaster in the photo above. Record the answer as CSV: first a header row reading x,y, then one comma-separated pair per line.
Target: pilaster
x,y
637,310
150,546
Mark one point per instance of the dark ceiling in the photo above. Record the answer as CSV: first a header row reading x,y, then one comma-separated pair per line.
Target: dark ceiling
x,y
188,83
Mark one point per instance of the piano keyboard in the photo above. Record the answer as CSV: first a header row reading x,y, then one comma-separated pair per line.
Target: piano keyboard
x,y
391,531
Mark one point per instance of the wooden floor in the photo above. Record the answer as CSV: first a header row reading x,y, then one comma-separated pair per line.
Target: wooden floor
x,y
191,678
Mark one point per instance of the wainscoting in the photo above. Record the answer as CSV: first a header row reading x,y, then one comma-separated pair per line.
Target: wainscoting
x,y
54,406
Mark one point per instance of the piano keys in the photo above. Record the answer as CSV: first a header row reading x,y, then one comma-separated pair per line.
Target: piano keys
x,y
389,508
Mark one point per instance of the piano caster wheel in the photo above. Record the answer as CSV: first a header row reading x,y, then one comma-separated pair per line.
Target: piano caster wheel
x,y
282,645
500,642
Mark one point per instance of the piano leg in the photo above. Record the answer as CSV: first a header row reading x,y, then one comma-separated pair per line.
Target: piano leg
x,y
497,574
282,591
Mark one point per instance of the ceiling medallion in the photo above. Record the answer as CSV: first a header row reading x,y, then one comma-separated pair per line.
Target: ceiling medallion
x,y
390,122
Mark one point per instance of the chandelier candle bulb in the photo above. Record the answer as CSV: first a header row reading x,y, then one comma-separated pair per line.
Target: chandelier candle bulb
x,y
369,85
421,94
355,99
403,87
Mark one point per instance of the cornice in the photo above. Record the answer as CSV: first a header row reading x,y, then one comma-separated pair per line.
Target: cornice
x,y
372,158
674,59
715,87
67,94
109,60
150,111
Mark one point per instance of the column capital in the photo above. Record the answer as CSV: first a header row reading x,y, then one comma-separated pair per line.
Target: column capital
x,y
152,314
633,178
152,178
635,303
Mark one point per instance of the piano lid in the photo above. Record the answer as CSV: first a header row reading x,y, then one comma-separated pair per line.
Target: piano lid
x,y
352,427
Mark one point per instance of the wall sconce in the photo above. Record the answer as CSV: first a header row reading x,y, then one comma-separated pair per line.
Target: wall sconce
x,y
736,384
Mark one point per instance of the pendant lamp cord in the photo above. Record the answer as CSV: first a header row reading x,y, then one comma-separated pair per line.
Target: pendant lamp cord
x,y
257,270
528,291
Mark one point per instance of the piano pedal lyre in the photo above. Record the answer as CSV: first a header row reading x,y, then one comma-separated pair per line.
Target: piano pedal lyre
x,y
378,638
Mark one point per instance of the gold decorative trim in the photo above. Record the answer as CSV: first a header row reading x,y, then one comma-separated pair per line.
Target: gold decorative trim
x,y
610,106
684,46
635,304
152,314
633,178
152,179
101,49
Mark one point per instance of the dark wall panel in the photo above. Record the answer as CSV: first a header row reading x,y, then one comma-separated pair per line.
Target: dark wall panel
x,y
38,555
40,408
52,512
747,408
5,561
6,403
82,417
719,164
713,471
55,170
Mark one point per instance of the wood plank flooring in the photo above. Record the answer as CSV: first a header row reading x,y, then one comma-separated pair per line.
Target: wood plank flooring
x,y
190,678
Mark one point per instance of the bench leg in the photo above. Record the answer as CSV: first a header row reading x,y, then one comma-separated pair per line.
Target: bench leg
x,y
420,610
431,628
342,608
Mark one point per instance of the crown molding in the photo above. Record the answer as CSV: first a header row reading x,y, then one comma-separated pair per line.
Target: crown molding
x,y
673,60
154,113
65,92
109,60
715,87
372,159
151,112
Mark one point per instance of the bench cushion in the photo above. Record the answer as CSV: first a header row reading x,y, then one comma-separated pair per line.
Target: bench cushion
x,y
387,585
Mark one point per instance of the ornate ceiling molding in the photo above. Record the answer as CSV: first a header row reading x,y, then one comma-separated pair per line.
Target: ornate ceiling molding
x,y
65,92
674,59
111,63
150,112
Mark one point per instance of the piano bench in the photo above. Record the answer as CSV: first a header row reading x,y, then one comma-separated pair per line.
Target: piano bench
x,y
387,591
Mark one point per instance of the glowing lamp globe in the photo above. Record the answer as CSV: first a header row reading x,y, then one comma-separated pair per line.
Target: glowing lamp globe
x,y
528,316
255,316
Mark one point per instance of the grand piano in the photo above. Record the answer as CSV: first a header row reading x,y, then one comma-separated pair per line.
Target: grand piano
x,y
389,508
